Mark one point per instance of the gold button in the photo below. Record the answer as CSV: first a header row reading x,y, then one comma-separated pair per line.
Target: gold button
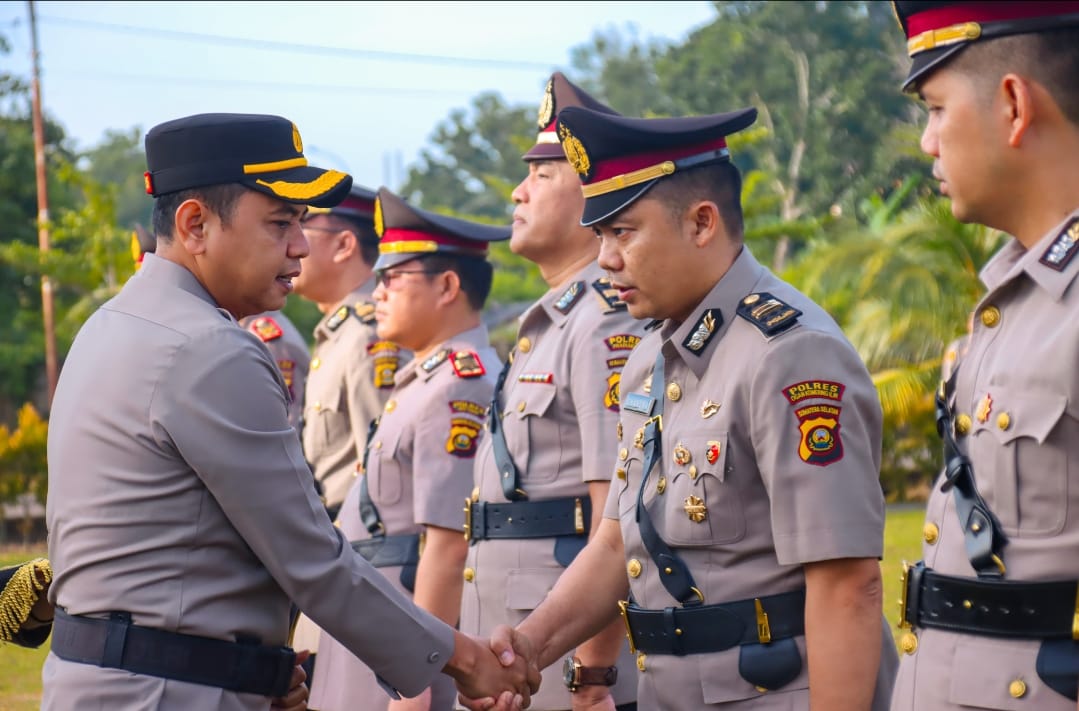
x,y
1004,420
618,430
640,661
377,445
908,643
469,575
621,474
692,471
623,454
963,424
633,567
391,405
317,406
967,604
990,316
760,689
524,345
315,363
661,485
521,406
751,299
931,533
1018,689
674,393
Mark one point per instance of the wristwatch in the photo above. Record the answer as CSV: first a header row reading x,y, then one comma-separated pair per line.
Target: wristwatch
x,y
574,675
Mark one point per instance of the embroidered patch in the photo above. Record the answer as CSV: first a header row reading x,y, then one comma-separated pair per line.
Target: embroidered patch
x,y
769,314
610,398
547,378
1063,248
709,408
608,296
266,329
365,311
386,356
435,359
467,407
621,342
712,451
641,404
704,331
288,372
824,389
569,297
575,151
462,440
467,364
338,318
820,444
616,362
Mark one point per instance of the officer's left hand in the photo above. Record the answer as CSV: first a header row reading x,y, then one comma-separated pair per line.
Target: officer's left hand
x,y
296,698
592,698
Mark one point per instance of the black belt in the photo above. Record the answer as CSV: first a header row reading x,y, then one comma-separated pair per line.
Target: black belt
x,y
714,628
247,668
994,608
389,551
527,519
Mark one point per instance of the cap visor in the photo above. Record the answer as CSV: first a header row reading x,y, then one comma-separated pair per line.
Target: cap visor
x,y
545,151
385,261
305,186
602,207
925,62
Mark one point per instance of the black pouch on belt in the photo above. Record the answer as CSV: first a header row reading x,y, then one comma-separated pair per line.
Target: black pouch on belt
x,y
1058,666
388,551
771,666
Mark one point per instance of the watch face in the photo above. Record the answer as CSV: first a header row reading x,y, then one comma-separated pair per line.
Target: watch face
x,y
569,673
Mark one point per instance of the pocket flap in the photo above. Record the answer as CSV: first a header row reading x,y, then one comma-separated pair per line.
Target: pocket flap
x,y
526,587
1017,414
984,671
533,400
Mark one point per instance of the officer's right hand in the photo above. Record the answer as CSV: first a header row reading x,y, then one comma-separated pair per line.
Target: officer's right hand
x,y
512,677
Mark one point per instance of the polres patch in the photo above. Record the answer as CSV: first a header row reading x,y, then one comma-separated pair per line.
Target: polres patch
x,y
611,397
813,389
462,440
621,342
820,442
467,407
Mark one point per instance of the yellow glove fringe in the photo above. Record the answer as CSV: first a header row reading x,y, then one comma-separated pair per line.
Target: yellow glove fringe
x,y
20,594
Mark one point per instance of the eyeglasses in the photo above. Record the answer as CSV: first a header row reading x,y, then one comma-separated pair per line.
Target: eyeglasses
x,y
386,277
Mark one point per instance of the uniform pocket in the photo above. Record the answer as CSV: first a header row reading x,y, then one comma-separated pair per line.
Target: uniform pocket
x,y
1000,674
526,587
384,469
537,430
699,506
324,424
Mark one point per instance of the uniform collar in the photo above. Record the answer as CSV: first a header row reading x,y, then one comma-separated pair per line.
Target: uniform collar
x,y
722,301
558,303
359,295
474,339
164,271
1013,259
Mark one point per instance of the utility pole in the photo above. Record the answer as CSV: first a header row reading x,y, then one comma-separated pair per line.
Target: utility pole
x,y
42,210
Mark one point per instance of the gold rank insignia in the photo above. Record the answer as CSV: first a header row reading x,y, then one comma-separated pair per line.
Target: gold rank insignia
x,y
434,360
712,451
462,439
681,455
703,332
769,314
569,297
608,295
709,408
610,398
365,311
546,107
618,430
575,151
466,364
338,318
985,406
266,329
380,224
695,509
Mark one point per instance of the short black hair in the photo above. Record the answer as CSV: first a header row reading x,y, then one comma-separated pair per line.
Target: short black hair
x,y
720,183
366,237
221,199
475,273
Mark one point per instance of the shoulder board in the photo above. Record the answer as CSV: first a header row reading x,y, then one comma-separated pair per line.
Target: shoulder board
x,y
703,331
365,311
466,364
1063,248
266,329
338,318
769,314
434,360
653,324
569,297
608,296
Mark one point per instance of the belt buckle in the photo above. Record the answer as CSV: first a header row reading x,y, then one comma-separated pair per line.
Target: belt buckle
x,y
468,518
904,599
623,606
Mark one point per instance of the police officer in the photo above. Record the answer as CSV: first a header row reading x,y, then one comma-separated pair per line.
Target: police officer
x,y
290,353
433,281
351,368
745,514
25,612
557,400
182,517
989,616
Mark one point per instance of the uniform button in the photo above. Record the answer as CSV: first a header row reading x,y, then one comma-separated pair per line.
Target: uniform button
x,y
391,405
693,471
317,406
524,345
990,316
621,474
640,660
623,454
1017,689
761,689
377,445
633,567
674,392
433,657
963,424
469,575
908,643
1004,420
315,363
931,533
661,485
521,406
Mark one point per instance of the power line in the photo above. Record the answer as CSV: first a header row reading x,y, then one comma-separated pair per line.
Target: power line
x,y
294,46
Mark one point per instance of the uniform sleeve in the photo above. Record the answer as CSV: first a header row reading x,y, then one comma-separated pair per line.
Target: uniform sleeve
x,y
816,429
227,420
444,452
598,356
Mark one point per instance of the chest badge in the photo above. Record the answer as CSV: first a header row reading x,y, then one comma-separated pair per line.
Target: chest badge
x,y
712,451
985,406
695,509
638,439
682,456
618,430
709,408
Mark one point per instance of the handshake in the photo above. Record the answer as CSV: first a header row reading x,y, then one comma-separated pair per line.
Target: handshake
x,y
499,677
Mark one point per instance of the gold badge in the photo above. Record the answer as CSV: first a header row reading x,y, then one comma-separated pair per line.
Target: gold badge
x,y
380,226
575,152
610,398
297,143
546,108
692,471
695,509
674,392
712,451
618,430
638,439
633,567
984,408
709,408
682,456
661,484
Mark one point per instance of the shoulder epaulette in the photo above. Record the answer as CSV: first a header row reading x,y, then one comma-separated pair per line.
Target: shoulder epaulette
x,y
467,364
769,314
1063,248
365,311
569,297
435,359
608,295
266,329
338,318
703,331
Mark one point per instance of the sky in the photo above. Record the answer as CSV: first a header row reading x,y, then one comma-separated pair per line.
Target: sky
x,y
366,82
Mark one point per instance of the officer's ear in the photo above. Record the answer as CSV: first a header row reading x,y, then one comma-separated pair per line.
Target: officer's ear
x,y
189,225
346,245
449,287
701,222
1017,106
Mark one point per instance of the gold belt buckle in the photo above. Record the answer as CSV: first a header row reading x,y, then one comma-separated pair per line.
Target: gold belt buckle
x,y
1075,617
468,518
578,516
904,623
622,607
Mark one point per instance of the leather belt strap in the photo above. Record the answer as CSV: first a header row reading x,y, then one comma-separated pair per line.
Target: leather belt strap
x,y
992,608
508,475
390,551
528,519
115,643
368,511
715,628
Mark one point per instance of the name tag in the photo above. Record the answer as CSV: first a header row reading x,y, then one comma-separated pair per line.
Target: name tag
x,y
639,403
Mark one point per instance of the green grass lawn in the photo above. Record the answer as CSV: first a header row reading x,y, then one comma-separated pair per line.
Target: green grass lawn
x,y
20,682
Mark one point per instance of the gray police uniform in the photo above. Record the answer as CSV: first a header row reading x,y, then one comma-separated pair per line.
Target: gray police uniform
x,y
289,351
349,381
419,470
560,402
1015,418
179,494
770,453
